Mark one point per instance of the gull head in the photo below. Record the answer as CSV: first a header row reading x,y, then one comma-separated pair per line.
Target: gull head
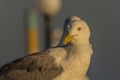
x,y
78,31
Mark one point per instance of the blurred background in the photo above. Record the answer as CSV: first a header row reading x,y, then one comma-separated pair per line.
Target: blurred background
x,y
103,17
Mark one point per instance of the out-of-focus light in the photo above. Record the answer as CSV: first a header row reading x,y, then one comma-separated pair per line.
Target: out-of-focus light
x,y
48,7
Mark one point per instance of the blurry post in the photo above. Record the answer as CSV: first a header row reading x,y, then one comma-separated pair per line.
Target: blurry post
x,y
56,37
48,8
47,24
32,32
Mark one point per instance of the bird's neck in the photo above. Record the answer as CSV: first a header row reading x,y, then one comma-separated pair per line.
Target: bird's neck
x,y
80,42
79,50
77,60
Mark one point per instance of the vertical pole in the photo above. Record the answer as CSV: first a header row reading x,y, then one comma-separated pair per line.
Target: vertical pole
x,y
33,32
47,23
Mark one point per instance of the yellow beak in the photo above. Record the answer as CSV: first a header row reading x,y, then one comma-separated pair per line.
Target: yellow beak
x,y
68,39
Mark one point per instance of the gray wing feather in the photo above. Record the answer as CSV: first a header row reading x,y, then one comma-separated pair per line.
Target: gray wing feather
x,y
39,66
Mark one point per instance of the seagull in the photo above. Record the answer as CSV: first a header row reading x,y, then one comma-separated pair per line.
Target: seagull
x,y
68,62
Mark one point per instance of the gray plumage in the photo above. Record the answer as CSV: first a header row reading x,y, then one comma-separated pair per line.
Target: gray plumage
x,y
39,66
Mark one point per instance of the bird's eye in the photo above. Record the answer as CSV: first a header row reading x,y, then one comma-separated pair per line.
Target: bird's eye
x,y
79,28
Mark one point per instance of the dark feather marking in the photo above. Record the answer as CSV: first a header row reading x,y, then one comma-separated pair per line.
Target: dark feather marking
x,y
39,66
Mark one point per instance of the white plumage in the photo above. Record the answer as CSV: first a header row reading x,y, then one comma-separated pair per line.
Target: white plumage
x,y
79,51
